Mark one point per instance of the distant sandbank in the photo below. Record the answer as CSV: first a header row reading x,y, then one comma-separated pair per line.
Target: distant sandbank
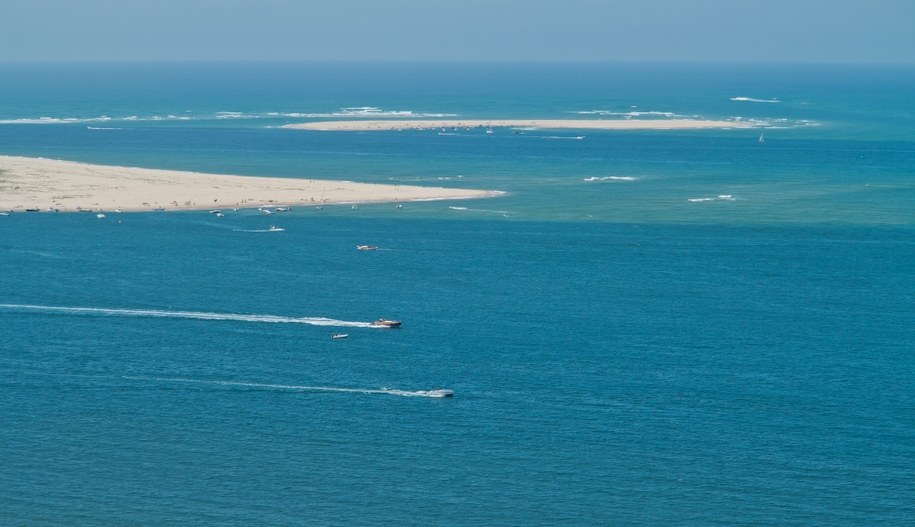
x,y
46,184
548,124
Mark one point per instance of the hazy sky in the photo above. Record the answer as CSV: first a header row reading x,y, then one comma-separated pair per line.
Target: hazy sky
x,y
669,30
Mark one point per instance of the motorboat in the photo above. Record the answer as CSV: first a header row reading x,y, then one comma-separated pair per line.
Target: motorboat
x,y
384,323
274,228
438,392
367,247
339,336
100,216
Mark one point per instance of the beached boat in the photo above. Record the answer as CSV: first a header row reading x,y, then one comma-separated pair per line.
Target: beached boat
x,y
384,323
338,336
367,247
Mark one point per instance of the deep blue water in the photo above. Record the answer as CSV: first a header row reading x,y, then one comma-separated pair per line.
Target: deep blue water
x,y
620,355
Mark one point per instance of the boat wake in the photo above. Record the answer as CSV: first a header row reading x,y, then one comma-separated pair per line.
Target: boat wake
x,y
437,393
503,213
197,315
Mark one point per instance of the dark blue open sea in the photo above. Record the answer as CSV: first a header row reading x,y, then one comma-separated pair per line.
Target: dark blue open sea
x,y
648,328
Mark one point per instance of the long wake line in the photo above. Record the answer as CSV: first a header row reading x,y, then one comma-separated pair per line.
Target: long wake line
x,y
436,393
197,315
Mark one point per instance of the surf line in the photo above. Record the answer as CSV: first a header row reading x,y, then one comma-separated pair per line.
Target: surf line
x,y
196,315
434,393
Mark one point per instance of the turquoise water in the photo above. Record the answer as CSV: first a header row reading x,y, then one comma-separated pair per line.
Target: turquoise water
x,y
649,328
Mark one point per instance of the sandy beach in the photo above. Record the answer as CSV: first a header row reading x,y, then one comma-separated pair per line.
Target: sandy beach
x,y
547,124
46,184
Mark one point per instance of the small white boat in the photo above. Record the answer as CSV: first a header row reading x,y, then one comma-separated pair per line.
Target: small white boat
x,y
339,336
274,228
438,392
100,216
367,247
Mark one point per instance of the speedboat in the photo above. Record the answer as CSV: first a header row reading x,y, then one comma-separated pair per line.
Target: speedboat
x,y
384,323
274,228
338,336
100,216
438,392
367,247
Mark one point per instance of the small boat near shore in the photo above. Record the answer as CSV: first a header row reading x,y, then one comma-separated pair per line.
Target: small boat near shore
x,y
385,323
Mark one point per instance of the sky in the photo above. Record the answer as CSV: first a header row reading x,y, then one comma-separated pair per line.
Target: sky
x,y
818,31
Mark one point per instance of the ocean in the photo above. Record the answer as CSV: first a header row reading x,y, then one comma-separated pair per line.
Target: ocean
x,y
685,327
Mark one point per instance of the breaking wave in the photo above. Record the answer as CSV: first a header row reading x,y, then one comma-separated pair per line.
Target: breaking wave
x,y
353,112
720,197
611,178
753,99
633,113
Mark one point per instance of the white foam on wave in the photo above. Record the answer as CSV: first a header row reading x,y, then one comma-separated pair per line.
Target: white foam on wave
x,y
720,197
362,112
611,178
57,120
434,393
775,122
354,112
753,99
573,137
632,113
196,315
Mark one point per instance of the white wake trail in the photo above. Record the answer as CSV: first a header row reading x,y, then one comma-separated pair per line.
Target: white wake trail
x,y
197,315
435,393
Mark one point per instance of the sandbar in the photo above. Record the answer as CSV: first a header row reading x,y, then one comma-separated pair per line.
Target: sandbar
x,y
547,124
47,184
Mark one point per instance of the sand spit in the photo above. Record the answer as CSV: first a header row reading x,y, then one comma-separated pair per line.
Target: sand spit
x,y
546,124
46,184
